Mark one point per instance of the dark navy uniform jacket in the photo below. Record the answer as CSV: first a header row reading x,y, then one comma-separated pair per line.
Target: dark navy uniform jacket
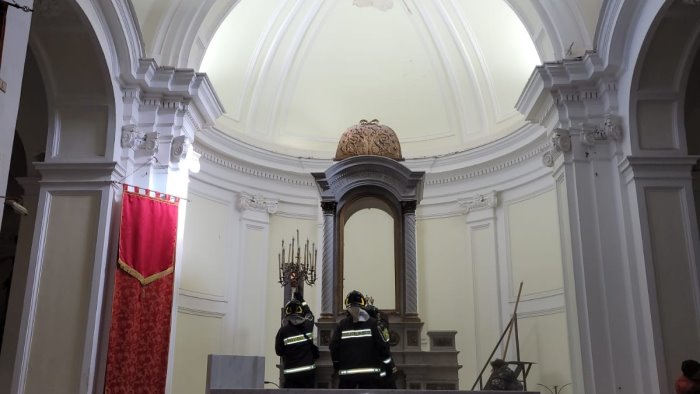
x,y
296,349
359,348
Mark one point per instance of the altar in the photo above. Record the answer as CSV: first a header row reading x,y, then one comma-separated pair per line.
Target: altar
x,y
369,175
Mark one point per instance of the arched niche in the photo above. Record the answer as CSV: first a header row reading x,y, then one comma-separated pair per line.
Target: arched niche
x,y
370,240
353,184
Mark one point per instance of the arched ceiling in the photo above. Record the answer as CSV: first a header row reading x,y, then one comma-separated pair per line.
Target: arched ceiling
x,y
292,75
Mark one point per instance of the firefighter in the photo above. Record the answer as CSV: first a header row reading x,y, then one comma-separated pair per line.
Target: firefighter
x,y
389,380
294,343
358,348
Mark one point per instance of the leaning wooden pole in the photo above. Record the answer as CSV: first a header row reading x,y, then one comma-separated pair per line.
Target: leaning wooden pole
x,y
513,323
478,379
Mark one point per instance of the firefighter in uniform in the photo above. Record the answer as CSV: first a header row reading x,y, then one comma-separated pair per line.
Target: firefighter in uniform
x,y
359,350
389,380
294,343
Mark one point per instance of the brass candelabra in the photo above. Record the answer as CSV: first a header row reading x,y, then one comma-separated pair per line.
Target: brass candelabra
x,y
296,268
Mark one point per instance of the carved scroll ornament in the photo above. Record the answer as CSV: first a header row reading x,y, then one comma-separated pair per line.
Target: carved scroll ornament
x,y
369,138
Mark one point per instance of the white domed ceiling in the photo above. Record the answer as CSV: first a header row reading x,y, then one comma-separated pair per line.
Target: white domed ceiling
x,y
444,74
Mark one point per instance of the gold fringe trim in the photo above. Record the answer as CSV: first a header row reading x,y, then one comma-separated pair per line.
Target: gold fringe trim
x,y
154,198
144,281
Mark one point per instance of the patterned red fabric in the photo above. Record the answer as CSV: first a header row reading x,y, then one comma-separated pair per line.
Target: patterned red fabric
x,y
139,334
147,236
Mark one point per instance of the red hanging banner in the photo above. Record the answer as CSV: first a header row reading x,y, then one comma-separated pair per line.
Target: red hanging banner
x,y
139,335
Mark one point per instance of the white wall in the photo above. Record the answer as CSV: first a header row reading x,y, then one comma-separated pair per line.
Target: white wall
x,y
205,295
446,287
284,228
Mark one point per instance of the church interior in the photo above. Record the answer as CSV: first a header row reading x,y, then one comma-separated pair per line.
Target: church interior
x,y
536,159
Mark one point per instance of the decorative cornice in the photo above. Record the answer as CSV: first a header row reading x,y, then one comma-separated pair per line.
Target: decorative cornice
x,y
479,201
251,170
76,172
491,167
669,168
553,87
174,88
509,153
256,203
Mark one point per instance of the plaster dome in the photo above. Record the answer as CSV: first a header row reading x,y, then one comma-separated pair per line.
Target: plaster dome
x,y
445,74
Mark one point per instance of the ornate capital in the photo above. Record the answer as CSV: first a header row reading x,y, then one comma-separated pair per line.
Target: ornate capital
x,y
408,206
608,130
328,207
479,201
548,159
256,203
179,149
135,139
561,141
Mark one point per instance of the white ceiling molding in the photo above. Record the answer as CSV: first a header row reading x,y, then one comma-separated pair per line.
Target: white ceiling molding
x,y
251,74
266,83
452,86
536,23
178,30
493,167
493,112
568,27
245,168
127,46
211,23
293,53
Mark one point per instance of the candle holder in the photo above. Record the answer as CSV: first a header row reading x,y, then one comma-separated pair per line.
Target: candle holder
x,y
296,268
557,389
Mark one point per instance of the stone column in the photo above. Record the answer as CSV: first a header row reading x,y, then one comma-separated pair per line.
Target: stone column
x,y
328,291
410,287
629,233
